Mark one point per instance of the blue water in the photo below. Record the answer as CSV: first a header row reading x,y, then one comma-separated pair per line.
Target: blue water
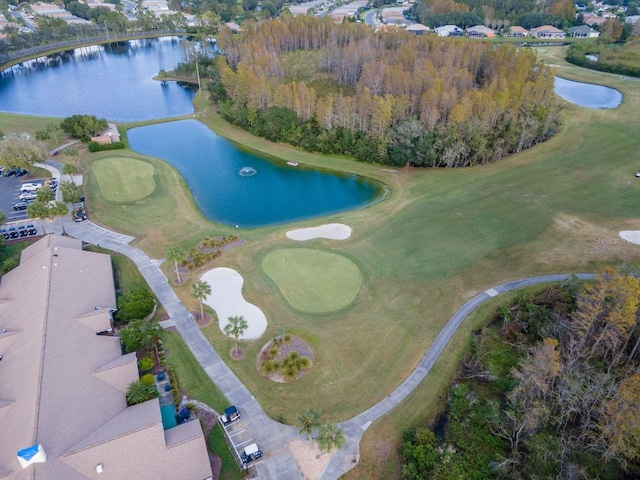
x,y
276,194
111,81
587,94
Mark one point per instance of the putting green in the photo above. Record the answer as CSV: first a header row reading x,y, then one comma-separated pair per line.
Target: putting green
x,y
313,280
124,180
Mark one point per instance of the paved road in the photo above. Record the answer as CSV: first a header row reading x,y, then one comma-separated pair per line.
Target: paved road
x,y
278,464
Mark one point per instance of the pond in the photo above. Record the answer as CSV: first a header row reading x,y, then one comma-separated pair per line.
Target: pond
x,y
113,81
587,94
234,187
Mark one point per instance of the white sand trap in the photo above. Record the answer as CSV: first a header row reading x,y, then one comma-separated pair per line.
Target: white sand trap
x,y
332,231
227,300
632,236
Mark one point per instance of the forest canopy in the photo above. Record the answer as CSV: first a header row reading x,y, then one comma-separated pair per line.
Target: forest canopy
x,y
388,98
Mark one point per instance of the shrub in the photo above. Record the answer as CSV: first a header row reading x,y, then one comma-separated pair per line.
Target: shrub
x,y
102,147
135,305
287,338
148,379
145,364
9,264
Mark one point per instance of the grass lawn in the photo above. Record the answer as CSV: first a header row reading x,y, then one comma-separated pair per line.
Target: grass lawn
x,y
124,180
219,446
192,378
439,237
311,280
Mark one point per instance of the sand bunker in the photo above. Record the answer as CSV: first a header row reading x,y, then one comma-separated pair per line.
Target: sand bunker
x,y
632,236
227,300
332,231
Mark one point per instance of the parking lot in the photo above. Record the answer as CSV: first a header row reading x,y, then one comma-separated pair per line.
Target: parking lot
x,y
9,193
239,435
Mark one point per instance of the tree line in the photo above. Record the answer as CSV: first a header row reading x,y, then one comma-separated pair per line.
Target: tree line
x,y
388,98
551,391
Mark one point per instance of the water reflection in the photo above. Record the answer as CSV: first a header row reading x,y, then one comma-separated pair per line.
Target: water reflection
x,y
587,94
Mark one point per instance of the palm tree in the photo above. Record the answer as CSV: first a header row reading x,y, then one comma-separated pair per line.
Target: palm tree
x,y
330,436
236,327
138,392
69,169
38,210
175,254
200,290
307,421
59,210
71,193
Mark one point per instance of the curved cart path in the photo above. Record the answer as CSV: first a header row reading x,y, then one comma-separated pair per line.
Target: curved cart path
x,y
278,463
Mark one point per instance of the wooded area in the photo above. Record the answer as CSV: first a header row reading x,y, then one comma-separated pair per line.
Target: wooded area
x,y
551,390
388,98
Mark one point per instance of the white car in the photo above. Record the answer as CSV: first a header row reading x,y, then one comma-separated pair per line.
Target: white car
x,y
27,196
638,174
30,187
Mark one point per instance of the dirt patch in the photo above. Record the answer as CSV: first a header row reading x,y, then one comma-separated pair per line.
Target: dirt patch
x,y
295,345
238,354
204,321
310,460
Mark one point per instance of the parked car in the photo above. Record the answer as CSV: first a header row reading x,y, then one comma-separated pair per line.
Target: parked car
x,y
249,454
27,196
80,215
20,172
13,233
4,233
231,414
30,187
20,205
31,230
22,231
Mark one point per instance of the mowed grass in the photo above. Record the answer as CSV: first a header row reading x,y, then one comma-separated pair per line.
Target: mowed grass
x,y
219,446
193,380
440,237
124,180
314,281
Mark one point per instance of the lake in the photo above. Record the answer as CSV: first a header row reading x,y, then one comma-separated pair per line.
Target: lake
x,y
113,81
234,187
587,94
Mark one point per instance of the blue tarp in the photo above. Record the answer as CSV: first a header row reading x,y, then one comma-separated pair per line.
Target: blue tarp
x,y
28,453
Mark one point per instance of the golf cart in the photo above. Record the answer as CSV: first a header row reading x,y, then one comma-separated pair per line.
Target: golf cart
x,y
249,454
230,415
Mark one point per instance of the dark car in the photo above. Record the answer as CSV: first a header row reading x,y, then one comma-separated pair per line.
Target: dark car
x,y
20,172
4,233
22,231
13,233
21,205
31,230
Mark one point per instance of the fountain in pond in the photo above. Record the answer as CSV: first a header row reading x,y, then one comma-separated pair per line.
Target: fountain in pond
x,y
247,172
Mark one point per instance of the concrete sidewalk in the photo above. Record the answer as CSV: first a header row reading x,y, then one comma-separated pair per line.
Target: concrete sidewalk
x,y
272,436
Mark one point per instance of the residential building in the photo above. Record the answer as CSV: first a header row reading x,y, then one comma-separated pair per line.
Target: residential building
x,y
547,31
63,379
517,31
449,31
418,29
583,31
480,31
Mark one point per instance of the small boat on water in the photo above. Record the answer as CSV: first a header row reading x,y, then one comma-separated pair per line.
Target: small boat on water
x,y
293,164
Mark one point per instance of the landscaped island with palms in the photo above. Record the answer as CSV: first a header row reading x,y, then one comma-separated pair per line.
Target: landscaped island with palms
x,y
439,237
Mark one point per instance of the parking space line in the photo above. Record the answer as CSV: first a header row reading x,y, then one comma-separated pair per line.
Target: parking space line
x,y
238,433
239,444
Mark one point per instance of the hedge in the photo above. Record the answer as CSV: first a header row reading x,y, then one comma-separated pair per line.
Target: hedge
x,y
100,147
